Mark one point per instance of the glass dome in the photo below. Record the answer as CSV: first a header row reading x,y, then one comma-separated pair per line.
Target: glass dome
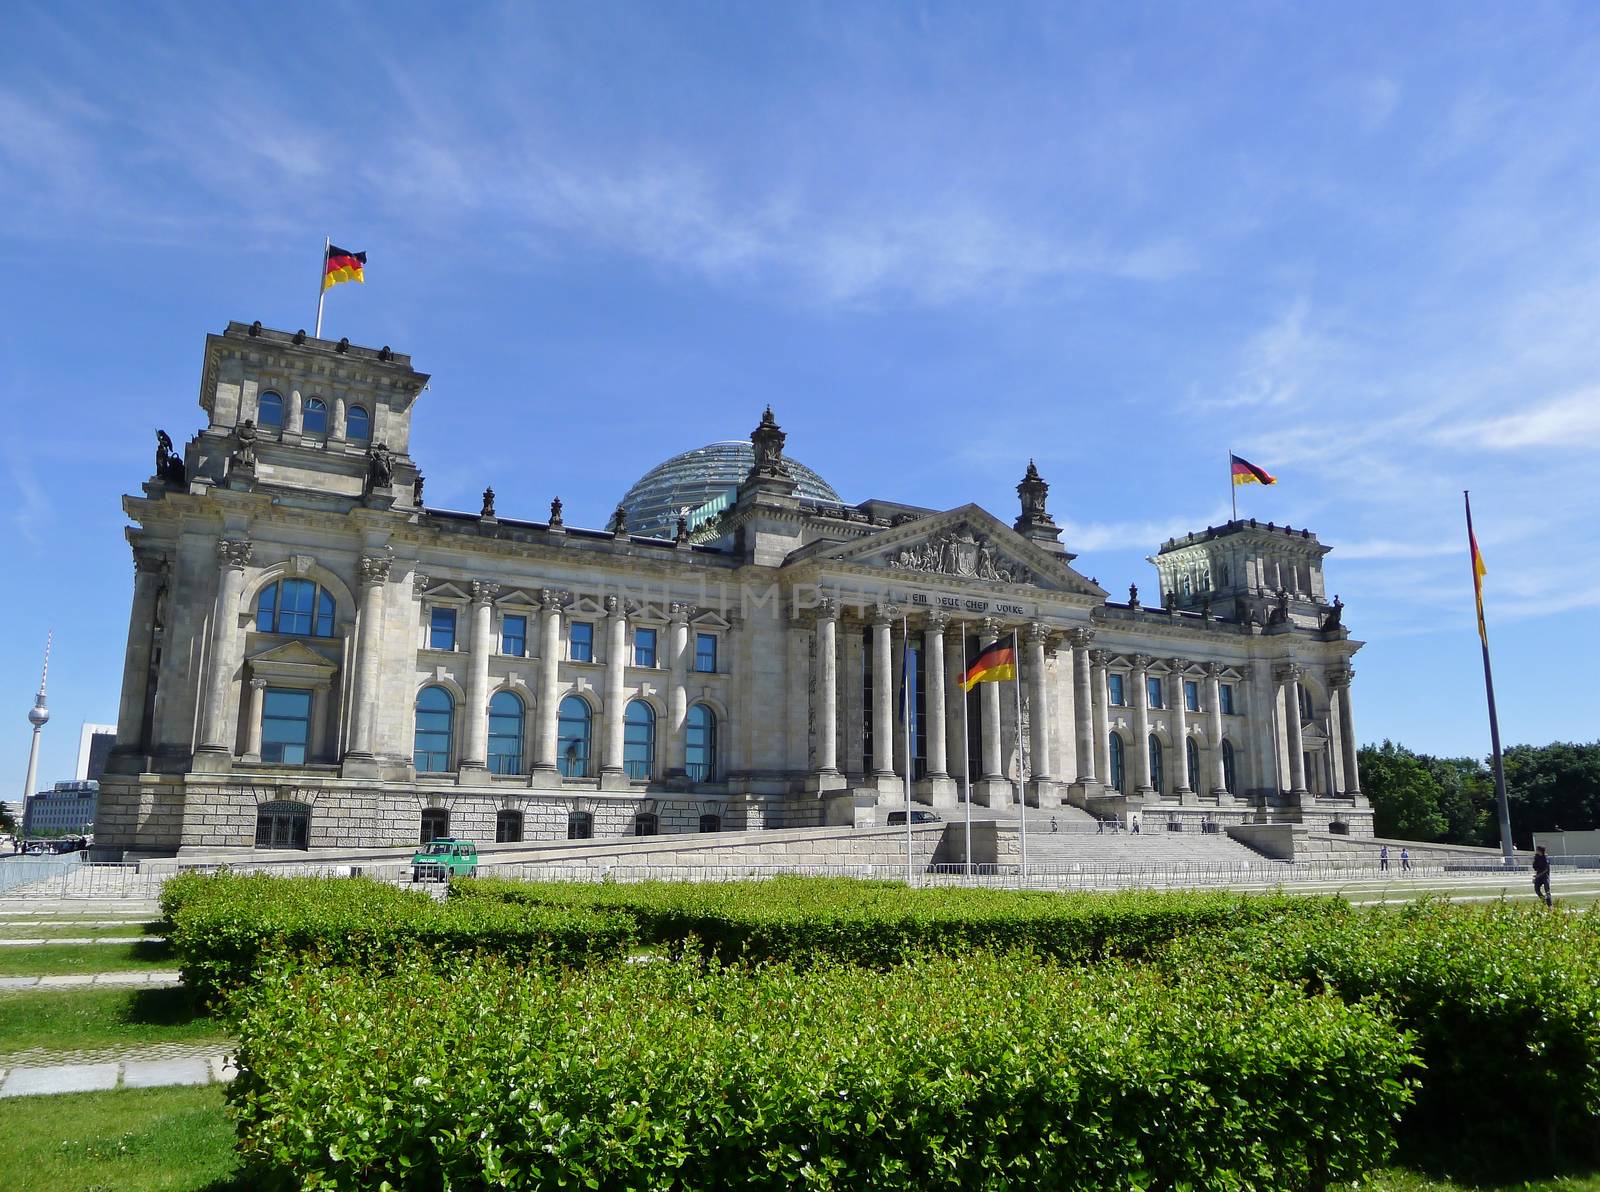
x,y
698,484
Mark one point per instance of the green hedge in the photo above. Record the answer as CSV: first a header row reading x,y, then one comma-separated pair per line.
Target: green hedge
x,y
1505,1004
986,1071
222,925
882,923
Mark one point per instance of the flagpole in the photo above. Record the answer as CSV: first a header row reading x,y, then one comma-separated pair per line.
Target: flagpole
x,y
322,283
1507,851
966,744
1233,489
1022,798
905,701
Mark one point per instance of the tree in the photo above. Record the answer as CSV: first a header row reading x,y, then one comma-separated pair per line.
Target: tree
x,y
1406,796
8,825
1553,786
1467,799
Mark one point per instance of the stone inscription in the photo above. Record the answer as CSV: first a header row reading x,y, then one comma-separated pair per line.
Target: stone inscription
x,y
960,604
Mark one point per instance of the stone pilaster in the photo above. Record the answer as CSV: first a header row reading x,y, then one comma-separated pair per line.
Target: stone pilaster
x,y
545,773
233,555
475,754
149,577
364,699
1141,723
611,772
251,712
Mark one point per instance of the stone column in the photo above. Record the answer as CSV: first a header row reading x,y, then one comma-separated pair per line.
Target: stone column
x,y
1141,722
292,417
828,687
149,576
1084,706
544,747
1186,781
955,729
933,671
336,419
678,693
374,570
1219,776
1289,677
883,617
1102,725
233,554
616,664
475,751
252,711
1340,680
1043,773
995,789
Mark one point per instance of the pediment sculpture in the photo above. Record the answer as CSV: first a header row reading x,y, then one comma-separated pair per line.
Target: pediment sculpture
x,y
960,553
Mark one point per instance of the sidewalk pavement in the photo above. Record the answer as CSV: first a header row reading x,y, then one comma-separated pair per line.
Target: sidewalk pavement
x,y
83,939
170,1066
150,978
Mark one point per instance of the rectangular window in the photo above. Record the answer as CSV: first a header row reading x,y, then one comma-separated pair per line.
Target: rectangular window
x,y
1152,691
1191,695
514,636
705,653
644,647
580,642
442,629
1114,691
285,725
1225,698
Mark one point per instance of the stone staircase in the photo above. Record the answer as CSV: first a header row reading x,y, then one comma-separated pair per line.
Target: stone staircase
x,y
1075,842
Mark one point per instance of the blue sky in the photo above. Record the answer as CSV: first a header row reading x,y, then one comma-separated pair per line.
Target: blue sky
x,y
1357,243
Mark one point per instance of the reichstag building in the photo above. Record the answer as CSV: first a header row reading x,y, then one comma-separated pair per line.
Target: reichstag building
x,y
317,658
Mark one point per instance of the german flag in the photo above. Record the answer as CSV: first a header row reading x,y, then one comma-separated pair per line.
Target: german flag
x,y
996,664
1245,472
1478,571
342,266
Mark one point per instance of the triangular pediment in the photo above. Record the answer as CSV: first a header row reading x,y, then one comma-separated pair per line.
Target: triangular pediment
x,y
968,544
291,653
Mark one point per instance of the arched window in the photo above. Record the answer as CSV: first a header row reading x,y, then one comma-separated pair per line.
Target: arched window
x,y
1155,762
315,419
508,827
646,824
1228,782
295,606
580,825
711,823
1115,757
1191,756
269,411
358,424
700,744
282,825
435,720
1305,703
435,824
505,734
572,737
639,740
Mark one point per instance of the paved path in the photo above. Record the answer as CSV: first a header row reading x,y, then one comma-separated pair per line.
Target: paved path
x,y
142,977
152,1067
83,939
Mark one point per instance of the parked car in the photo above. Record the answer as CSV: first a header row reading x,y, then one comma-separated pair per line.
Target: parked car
x,y
917,817
442,859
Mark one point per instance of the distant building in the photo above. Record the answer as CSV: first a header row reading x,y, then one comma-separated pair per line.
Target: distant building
x,y
94,746
70,807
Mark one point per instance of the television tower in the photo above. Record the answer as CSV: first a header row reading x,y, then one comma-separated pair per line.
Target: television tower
x,y
37,716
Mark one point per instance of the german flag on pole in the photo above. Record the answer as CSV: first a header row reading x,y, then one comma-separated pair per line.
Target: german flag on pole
x,y
1245,472
343,266
994,665
1478,570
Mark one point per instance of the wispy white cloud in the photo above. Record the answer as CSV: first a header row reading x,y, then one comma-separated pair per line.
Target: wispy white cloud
x,y
1571,421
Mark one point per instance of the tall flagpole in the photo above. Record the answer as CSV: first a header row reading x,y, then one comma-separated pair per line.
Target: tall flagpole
x,y
322,283
966,744
905,701
1022,798
1507,851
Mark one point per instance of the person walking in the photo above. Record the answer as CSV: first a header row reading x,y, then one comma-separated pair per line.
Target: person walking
x,y
1405,860
1383,859
1541,875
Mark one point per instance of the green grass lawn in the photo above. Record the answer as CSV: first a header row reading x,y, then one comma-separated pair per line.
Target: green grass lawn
x,y
1398,1180
56,959
135,1140
56,929
91,1019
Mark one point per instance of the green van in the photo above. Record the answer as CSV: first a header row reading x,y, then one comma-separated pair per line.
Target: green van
x,y
444,858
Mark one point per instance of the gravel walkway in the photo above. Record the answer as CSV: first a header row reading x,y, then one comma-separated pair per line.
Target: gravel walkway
x,y
31,1074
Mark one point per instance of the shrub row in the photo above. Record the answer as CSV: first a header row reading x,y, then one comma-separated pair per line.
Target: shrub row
x,y
986,1071
222,925
880,923
1504,1001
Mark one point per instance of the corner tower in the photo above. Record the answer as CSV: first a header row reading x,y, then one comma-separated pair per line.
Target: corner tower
x,y
1249,572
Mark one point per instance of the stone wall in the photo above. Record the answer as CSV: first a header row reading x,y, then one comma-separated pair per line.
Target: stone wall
x,y
1294,842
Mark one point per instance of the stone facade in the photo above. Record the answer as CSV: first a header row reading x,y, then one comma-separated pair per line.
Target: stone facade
x,y
309,639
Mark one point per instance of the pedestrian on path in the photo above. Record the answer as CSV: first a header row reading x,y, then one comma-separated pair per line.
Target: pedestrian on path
x,y
1541,876
1405,860
1383,859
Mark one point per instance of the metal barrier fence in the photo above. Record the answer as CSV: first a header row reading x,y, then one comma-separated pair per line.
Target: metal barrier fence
x,y
65,877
